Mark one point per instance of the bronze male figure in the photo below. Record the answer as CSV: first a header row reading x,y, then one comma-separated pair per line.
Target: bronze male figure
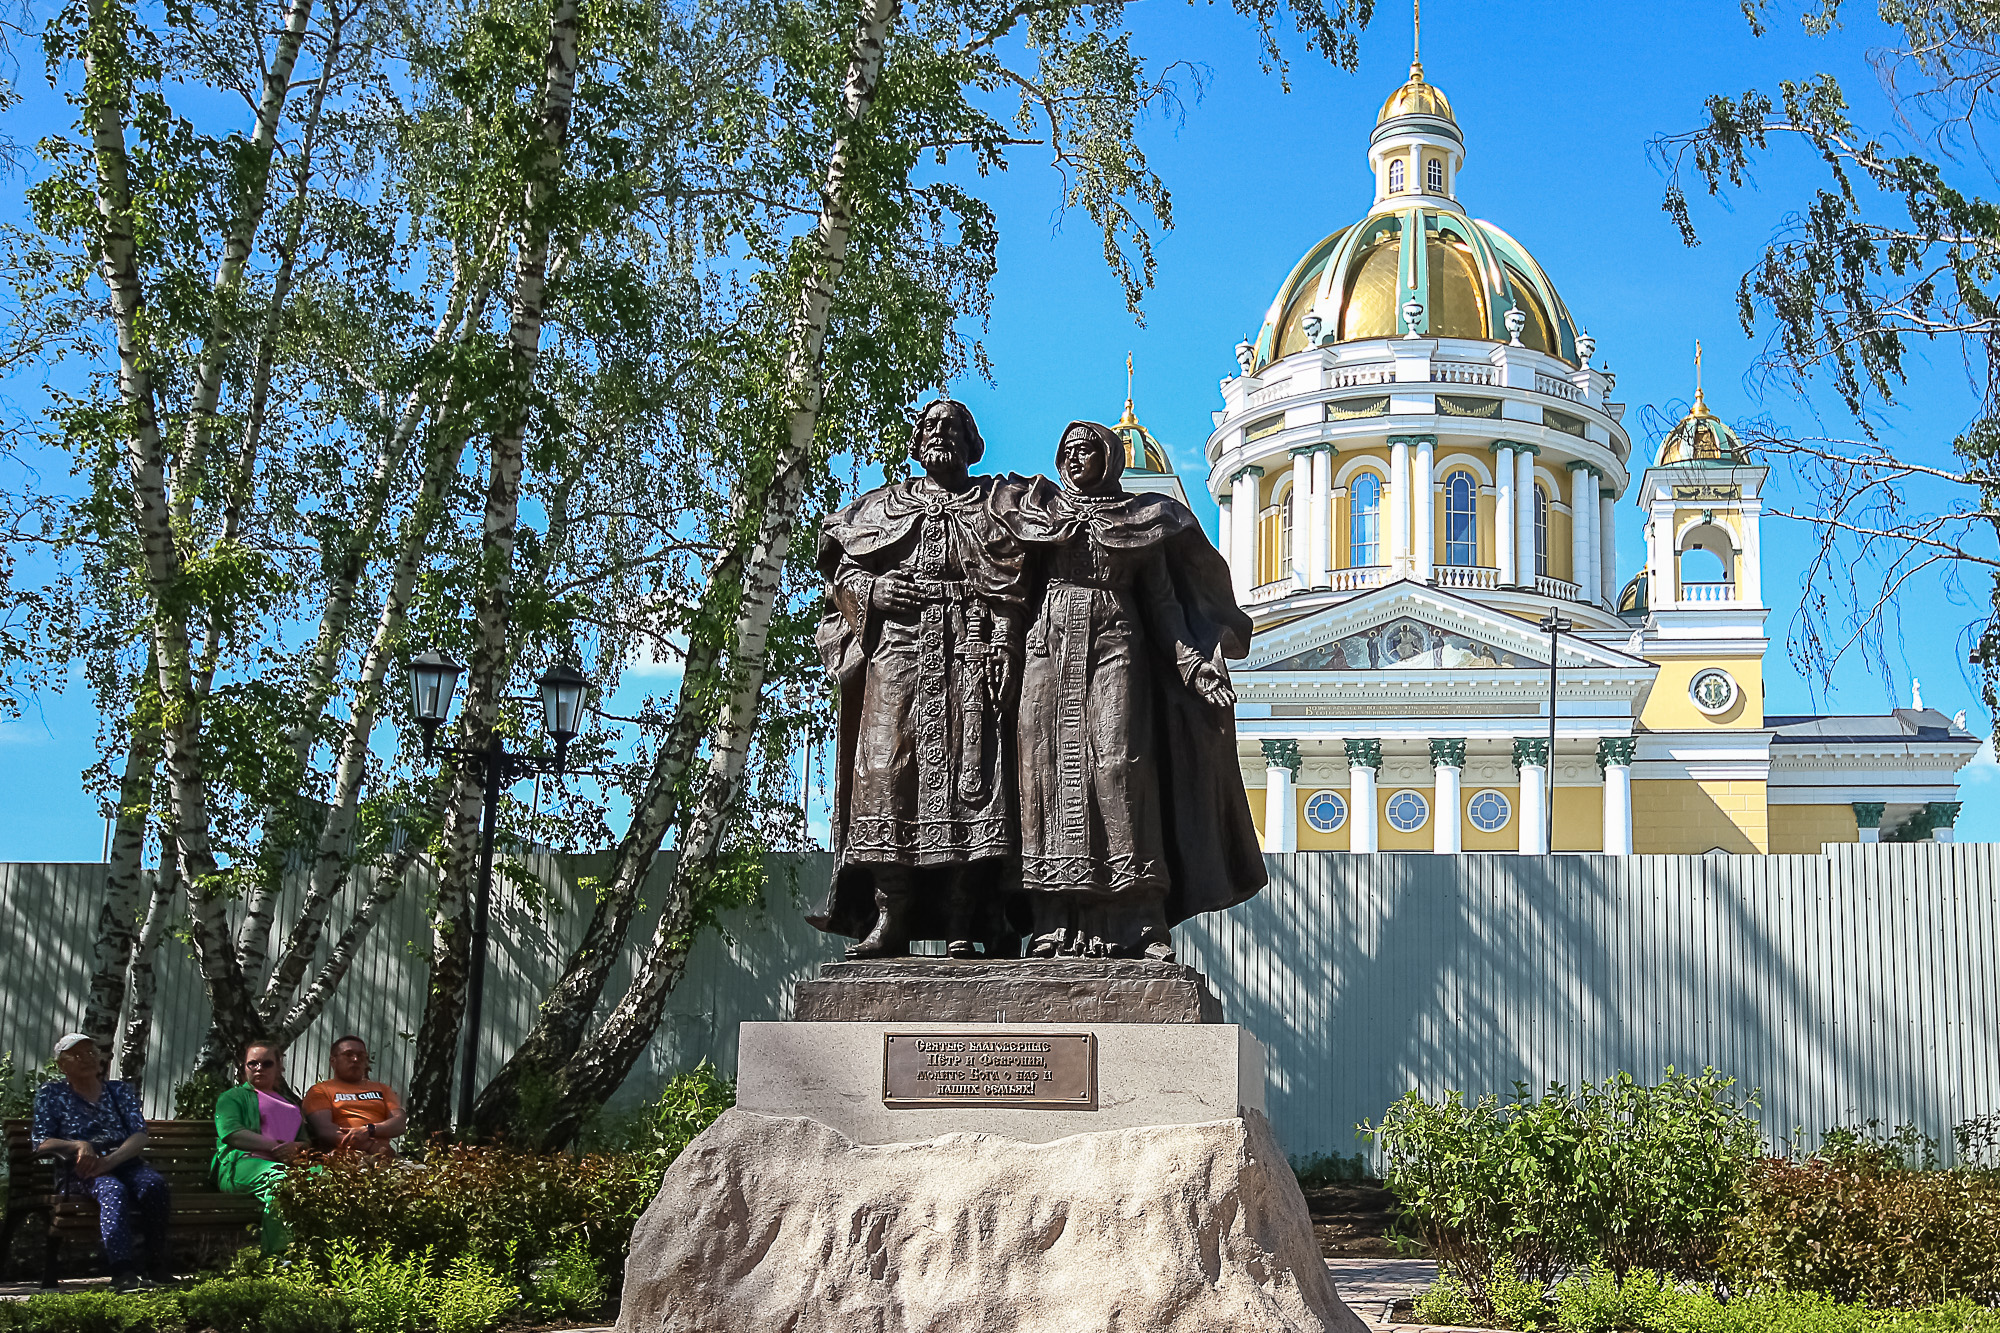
x,y
926,587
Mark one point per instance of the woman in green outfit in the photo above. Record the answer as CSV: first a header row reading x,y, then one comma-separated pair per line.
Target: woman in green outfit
x,y
258,1129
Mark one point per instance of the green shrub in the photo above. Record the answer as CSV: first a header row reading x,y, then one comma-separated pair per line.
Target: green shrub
x,y
386,1293
18,1083
94,1312
505,1208
1644,1177
566,1284
471,1297
264,1305
1598,1301
1857,1232
1323,1169
195,1096
1866,1147
657,1132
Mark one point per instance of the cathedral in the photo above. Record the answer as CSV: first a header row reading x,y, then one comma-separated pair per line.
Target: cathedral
x,y
1421,477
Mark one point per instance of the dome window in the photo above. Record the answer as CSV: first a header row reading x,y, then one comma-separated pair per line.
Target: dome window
x,y
1434,176
1461,530
1541,531
1396,176
1364,522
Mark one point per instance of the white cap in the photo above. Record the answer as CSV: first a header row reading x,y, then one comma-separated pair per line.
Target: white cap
x,y
70,1039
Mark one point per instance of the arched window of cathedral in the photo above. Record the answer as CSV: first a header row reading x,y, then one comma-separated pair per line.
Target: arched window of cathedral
x,y
1364,521
1396,176
1541,530
1461,518
1285,533
1434,176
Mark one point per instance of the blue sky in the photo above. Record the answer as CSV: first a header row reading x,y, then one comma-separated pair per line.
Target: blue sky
x,y
1558,101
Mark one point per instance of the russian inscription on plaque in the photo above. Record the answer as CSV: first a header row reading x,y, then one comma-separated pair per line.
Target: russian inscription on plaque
x,y
989,1069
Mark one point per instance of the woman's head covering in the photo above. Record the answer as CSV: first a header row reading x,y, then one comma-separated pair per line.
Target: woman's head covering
x,y
975,445
1114,454
69,1039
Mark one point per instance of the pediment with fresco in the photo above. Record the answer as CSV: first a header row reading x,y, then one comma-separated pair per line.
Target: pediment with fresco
x,y
1406,644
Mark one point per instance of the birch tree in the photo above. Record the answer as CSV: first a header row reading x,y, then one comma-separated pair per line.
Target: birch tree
x,y
1898,251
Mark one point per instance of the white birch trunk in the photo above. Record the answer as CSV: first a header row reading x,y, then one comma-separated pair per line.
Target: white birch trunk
x,y
605,1060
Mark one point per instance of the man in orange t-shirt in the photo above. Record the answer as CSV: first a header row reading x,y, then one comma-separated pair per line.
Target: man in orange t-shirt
x,y
349,1112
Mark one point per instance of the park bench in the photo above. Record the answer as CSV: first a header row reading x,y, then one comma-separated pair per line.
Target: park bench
x,y
178,1149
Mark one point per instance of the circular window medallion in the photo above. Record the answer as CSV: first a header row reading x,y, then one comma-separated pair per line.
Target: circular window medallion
x,y
1713,690
1326,811
1408,810
1489,810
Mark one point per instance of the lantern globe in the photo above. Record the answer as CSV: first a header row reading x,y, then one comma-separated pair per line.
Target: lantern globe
x,y
433,681
563,689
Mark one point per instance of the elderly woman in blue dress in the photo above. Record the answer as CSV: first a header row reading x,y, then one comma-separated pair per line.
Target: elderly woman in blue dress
x,y
95,1125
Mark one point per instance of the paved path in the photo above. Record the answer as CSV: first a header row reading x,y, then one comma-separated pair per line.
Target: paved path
x,y
1371,1288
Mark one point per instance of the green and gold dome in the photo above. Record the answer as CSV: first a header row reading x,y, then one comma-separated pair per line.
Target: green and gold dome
x,y
1702,439
1416,253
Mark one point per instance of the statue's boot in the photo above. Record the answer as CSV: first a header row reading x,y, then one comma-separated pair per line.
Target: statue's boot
x,y
891,936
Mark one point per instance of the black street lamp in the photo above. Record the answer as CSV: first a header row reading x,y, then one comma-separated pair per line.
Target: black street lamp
x,y
433,681
1554,624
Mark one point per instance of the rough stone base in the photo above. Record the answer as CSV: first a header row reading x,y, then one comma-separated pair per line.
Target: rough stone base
x,y
778,1222
1033,990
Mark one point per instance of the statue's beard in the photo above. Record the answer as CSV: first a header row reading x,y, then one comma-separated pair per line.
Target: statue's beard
x,y
937,455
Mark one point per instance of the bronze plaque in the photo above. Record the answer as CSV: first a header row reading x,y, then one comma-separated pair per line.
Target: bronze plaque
x,y
989,1069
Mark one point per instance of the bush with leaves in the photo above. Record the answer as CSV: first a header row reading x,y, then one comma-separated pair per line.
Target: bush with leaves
x,y
566,1284
1854,1229
18,1082
659,1130
505,1208
1638,1175
224,1305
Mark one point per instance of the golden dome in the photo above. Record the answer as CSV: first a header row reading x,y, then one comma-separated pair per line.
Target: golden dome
x,y
1465,274
1143,453
1417,98
1701,439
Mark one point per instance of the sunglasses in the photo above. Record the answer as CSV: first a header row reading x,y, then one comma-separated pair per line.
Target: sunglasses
x,y
258,1064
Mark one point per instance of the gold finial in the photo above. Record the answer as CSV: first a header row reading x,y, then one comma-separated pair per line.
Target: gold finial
x,y
1129,419
1700,405
1417,39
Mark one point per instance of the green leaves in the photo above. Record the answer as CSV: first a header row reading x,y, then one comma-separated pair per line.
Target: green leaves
x,y
1640,1176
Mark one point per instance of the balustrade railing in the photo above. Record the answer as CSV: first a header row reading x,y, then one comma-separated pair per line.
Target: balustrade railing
x,y
1708,592
1270,393
1357,578
1476,578
1445,372
1558,588
1272,591
1560,388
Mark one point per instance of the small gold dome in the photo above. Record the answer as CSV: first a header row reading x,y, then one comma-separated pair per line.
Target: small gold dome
x,y
1143,453
1417,98
1701,438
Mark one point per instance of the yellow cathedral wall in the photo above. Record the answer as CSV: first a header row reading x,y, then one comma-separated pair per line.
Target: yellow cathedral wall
x,y
1688,815
1669,708
1803,828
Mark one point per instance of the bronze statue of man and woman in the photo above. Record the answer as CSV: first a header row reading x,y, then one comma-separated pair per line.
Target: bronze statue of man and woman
x,y
1037,728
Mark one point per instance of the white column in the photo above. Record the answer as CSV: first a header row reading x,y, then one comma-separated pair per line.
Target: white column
x,y
1579,527
1591,577
1399,507
1302,507
1223,504
1423,507
1503,512
1243,529
1322,520
1614,755
1362,759
1532,817
1524,517
1607,544
1281,811
1447,760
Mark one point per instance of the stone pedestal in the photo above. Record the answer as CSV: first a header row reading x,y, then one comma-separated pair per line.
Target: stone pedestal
x,y
770,1222
943,1146
1057,990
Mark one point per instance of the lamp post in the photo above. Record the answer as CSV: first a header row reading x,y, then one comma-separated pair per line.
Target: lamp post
x,y
433,681
1555,624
